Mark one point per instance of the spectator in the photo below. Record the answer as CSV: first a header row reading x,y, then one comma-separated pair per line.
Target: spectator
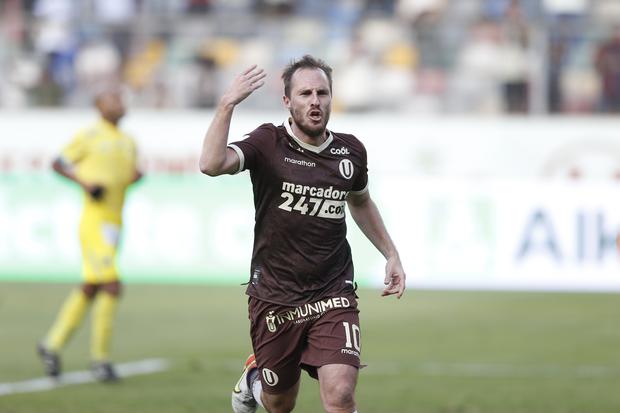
x,y
607,62
476,77
56,42
515,82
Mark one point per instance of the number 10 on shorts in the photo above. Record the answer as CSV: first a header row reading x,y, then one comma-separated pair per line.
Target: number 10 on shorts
x,y
352,333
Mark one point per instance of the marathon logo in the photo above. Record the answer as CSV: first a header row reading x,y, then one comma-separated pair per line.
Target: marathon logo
x,y
350,352
300,162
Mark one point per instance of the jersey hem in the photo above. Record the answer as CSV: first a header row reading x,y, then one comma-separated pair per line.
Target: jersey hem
x,y
347,294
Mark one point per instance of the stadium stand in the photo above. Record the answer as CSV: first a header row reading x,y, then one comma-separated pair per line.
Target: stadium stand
x,y
409,56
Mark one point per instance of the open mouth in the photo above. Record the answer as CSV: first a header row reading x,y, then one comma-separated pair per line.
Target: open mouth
x,y
315,115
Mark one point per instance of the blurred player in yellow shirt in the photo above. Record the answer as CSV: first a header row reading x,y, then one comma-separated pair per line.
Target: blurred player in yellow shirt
x,y
102,160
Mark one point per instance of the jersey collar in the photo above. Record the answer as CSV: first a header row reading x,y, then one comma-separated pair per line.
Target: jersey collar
x,y
307,146
108,126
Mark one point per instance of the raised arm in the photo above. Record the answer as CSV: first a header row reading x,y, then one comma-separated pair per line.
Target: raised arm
x,y
367,217
215,158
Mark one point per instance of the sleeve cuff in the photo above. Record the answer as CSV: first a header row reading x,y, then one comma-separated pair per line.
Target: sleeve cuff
x,y
361,191
66,163
241,158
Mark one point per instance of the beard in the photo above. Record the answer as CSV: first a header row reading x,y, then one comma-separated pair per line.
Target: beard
x,y
314,131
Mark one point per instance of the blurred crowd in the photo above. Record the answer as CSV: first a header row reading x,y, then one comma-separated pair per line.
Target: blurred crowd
x,y
410,56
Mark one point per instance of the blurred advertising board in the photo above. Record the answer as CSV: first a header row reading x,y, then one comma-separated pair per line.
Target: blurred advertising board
x,y
471,203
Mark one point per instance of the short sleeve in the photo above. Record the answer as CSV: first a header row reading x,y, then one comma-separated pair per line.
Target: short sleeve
x,y
361,181
253,147
76,150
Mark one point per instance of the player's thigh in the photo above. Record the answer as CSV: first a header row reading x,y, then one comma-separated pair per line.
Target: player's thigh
x,y
334,338
278,345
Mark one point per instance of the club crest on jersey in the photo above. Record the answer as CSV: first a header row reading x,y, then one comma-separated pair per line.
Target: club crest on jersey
x,y
270,377
270,320
346,168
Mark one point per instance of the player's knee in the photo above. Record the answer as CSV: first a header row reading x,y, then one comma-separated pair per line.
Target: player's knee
x,y
339,398
279,404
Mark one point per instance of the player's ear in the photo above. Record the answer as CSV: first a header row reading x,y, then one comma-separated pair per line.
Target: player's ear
x,y
287,101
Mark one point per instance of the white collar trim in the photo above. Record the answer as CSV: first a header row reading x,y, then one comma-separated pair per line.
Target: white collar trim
x,y
307,146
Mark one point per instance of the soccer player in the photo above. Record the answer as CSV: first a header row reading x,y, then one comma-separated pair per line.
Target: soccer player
x,y
302,305
102,161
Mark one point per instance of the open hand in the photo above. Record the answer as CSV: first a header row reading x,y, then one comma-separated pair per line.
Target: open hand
x,y
394,277
244,84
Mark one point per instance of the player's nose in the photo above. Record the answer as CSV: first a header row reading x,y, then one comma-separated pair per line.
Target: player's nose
x,y
315,98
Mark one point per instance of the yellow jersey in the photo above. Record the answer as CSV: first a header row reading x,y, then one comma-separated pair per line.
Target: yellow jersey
x,y
103,155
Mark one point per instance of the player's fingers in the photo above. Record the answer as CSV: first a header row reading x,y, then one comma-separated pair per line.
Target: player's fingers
x,y
388,291
255,76
257,79
258,76
391,288
395,285
257,72
249,69
254,81
257,85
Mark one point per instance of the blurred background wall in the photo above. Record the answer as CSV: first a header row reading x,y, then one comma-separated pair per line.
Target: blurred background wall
x,y
491,126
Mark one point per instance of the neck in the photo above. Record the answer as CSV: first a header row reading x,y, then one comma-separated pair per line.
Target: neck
x,y
310,140
111,121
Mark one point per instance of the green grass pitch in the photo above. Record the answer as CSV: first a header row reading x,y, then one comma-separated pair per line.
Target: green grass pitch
x,y
440,352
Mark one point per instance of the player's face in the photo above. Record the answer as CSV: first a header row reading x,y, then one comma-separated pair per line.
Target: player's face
x,y
310,102
111,106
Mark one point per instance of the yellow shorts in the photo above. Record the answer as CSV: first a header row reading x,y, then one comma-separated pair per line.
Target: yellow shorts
x,y
99,241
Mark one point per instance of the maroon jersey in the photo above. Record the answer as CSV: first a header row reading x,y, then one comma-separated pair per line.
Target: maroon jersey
x,y
301,253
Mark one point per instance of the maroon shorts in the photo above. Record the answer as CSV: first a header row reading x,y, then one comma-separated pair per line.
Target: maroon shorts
x,y
287,339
